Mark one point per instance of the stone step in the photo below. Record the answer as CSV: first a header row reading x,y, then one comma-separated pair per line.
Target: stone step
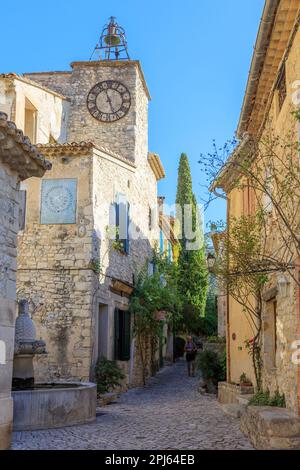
x,y
271,428
234,410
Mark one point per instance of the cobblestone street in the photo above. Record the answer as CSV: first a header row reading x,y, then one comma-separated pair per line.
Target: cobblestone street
x,y
167,414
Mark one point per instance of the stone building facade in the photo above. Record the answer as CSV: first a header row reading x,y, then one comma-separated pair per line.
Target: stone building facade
x,y
268,106
75,276
18,160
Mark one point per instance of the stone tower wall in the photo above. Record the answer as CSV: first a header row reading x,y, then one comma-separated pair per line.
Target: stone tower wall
x,y
9,224
54,274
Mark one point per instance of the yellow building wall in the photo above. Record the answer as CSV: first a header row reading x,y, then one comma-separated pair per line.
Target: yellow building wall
x,y
284,376
239,328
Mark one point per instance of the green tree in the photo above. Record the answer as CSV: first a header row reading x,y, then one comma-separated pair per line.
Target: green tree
x,y
192,270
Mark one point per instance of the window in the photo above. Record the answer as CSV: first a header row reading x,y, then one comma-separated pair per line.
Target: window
x,y
122,221
150,268
122,335
30,121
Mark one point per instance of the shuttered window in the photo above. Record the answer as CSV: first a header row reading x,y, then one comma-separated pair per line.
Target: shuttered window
x,y
161,241
122,335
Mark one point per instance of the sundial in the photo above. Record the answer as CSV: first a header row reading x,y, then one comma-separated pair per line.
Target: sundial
x,y
58,201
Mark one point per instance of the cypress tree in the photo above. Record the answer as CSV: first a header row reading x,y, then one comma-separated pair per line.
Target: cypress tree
x,y
191,263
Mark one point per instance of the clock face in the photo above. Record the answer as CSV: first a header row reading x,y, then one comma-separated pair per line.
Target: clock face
x,y
108,101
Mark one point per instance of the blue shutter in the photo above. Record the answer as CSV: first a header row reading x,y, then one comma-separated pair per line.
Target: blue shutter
x,y
126,246
161,241
122,220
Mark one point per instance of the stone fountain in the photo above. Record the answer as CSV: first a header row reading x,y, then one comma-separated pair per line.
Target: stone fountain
x,y
44,405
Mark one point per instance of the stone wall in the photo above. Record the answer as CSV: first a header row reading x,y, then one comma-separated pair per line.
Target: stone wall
x,y
9,223
284,375
54,274
119,136
54,271
139,186
52,110
67,307
60,82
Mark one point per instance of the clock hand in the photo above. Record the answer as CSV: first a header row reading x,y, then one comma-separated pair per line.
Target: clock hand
x,y
110,103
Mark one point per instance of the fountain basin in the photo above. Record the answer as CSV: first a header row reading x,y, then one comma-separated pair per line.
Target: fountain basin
x,y
47,406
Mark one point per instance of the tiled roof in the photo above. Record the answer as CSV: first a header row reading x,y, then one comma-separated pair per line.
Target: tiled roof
x,y
77,148
17,151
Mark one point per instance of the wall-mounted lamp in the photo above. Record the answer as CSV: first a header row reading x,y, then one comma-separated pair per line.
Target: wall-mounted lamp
x,y
210,261
283,284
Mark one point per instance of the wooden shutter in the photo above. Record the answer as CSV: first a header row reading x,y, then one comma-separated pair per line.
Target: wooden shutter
x,y
117,333
126,336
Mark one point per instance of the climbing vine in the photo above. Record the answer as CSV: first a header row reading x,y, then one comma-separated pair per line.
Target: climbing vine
x,y
154,294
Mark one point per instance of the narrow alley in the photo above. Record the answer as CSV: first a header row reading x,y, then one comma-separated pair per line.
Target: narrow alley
x,y
167,414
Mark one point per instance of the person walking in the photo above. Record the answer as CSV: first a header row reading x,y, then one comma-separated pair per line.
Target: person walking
x,y
190,354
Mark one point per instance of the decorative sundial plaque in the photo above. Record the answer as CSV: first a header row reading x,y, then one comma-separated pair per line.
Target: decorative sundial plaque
x,y
58,201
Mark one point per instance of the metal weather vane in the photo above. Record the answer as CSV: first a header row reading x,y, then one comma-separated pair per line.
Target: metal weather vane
x,y
112,44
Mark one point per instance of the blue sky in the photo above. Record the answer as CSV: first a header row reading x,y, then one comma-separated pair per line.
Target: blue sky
x,y
195,54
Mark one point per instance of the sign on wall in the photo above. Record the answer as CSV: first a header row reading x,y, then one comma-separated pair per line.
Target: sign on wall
x,y
58,201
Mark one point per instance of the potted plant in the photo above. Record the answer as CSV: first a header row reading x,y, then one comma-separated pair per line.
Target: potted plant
x,y
245,384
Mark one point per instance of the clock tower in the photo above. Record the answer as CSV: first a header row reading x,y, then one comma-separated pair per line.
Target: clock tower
x,y
109,98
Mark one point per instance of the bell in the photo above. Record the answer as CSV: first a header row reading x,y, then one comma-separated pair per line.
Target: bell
x,y
112,38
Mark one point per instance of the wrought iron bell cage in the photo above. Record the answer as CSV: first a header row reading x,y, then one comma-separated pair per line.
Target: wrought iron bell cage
x,y
112,43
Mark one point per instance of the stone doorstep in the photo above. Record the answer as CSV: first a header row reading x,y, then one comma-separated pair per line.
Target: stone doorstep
x,y
271,428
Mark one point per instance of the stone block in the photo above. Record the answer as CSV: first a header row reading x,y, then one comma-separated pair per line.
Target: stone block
x,y
5,435
54,407
271,427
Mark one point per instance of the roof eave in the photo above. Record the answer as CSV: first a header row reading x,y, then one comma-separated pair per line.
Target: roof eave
x,y
260,49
